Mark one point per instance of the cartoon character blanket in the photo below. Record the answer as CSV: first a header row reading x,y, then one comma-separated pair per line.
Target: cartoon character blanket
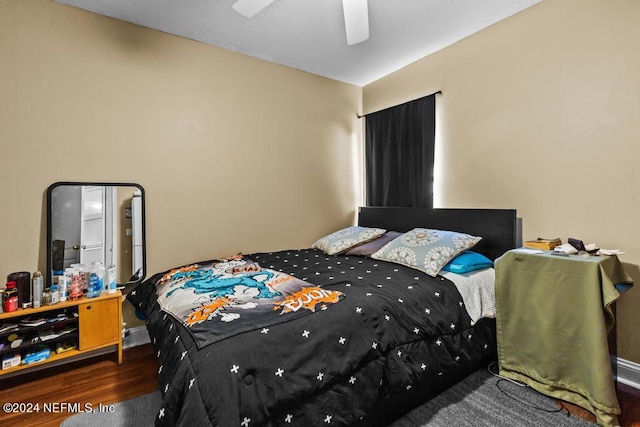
x,y
220,298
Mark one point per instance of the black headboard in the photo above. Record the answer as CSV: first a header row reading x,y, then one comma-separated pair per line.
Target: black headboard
x,y
497,227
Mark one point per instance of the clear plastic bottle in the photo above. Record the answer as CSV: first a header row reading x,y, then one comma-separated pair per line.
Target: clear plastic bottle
x,y
96,280
83,275
75,287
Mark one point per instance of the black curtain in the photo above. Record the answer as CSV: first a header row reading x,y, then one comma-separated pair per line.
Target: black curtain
x,y
399,147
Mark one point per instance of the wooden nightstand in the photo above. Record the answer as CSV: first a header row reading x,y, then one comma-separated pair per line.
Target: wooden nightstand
x,y
92,325
553,314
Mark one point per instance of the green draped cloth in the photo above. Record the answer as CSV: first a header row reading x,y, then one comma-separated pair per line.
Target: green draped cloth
x,y
553,315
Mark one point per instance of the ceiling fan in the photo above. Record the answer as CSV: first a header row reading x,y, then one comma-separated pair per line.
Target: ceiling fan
x,y
356,16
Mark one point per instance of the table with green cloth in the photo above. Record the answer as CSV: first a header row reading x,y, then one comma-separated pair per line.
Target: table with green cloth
x,y
553,314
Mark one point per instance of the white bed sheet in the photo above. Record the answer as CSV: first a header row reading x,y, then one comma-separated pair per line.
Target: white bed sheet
x,y
478,292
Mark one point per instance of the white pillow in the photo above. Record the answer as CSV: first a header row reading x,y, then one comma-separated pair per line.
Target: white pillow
x,y
426,249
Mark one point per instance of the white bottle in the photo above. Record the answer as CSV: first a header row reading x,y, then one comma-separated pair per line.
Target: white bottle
x,y
63,283
110,282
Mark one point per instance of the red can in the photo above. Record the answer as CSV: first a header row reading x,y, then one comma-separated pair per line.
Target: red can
x,y
10,302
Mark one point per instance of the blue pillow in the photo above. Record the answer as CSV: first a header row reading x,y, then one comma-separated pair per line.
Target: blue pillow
x,y
468,261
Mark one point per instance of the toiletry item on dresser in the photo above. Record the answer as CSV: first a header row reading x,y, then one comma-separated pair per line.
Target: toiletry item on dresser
x,y
96,280
83,274
37,289
75,286
110,281
46,298
63,284
10,299
23,284
55,294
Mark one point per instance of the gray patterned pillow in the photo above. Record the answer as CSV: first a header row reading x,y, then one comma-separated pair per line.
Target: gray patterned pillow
x,y
426,249
347,238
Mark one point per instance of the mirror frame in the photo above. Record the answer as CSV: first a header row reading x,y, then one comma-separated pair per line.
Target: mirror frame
x,y
48,276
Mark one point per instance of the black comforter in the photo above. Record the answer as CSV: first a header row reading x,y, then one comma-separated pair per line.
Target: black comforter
x,y
397,337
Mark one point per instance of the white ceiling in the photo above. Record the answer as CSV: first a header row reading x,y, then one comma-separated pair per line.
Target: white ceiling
x,y
309,35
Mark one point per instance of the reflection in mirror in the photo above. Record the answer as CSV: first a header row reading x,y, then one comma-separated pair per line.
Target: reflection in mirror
x,y
96,222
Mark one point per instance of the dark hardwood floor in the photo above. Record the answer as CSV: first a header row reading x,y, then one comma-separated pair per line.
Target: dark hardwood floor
x,y
102,381
629,399
96,381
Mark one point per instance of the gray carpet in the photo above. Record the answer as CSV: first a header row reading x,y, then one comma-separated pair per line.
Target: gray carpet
x,y
140,411
478,401
483,400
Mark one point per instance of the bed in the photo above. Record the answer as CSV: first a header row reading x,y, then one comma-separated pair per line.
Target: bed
x,y
359,341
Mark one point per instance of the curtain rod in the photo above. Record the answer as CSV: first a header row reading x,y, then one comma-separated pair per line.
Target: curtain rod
x,y
364,115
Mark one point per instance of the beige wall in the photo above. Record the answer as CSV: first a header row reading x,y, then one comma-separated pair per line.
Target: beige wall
x,y
541,112
538,113
235,154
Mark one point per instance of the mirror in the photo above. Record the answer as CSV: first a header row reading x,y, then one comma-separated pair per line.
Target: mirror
x,y
93,221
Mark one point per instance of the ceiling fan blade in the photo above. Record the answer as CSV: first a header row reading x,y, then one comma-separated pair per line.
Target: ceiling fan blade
x,y
250,8
356,20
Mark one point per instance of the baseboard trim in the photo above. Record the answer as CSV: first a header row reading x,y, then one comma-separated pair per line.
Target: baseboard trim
x,y
626,372
135,336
